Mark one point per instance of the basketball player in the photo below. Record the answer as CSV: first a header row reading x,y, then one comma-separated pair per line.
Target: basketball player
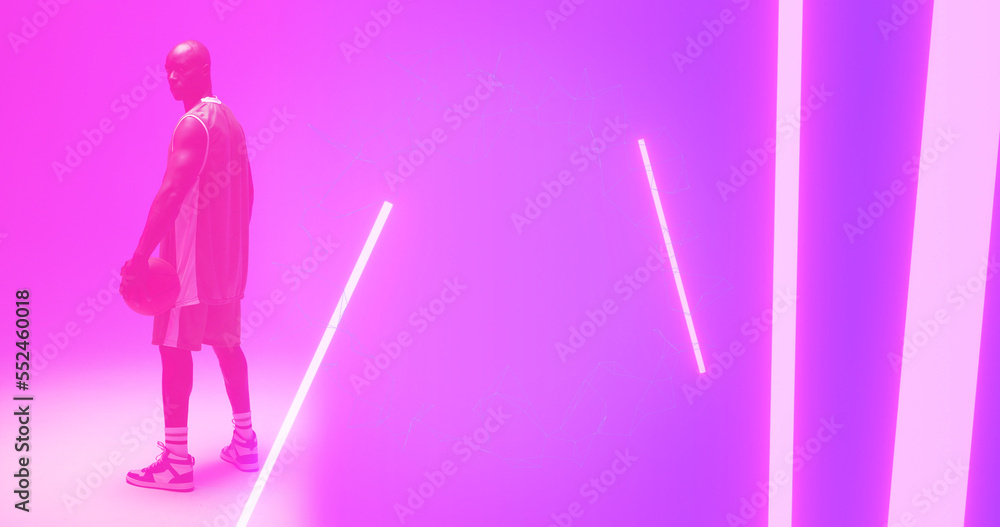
x,y
200,219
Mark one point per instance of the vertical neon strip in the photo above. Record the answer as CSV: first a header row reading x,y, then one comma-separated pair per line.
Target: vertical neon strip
x,y
673,259
951,235
317,359
786,236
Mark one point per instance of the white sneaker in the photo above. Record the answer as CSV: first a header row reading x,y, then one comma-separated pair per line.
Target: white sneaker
x,y
242,452
168,472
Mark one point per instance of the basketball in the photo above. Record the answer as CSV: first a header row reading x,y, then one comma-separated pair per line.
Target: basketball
x,y
163,287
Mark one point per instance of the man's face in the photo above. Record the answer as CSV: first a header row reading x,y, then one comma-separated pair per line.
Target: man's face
x,y
179,77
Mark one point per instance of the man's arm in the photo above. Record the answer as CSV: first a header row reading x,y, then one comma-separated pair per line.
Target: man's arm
x,y
183,164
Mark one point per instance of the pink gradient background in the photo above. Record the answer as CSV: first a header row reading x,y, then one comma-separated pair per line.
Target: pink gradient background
x,y
322,177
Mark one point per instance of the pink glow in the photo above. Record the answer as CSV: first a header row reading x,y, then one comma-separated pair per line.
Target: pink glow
x,y
950,243
522,278
675,268
786,232
314,365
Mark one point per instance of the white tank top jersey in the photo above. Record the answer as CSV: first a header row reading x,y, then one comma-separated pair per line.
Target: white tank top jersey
x,y
208,242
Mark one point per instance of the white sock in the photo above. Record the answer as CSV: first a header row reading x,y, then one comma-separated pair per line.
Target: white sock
x,y
243,427
177,441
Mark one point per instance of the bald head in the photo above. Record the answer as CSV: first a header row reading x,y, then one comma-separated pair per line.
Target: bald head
x,y
189,52
189,71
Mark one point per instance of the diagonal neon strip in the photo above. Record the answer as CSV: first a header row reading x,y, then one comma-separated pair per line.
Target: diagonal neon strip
x,y
673,259
786,236
951,235
313,368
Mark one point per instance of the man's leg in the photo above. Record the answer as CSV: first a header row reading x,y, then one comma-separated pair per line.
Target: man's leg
x,y
173,470
233,363
222,332
176,332
178,376
242,451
